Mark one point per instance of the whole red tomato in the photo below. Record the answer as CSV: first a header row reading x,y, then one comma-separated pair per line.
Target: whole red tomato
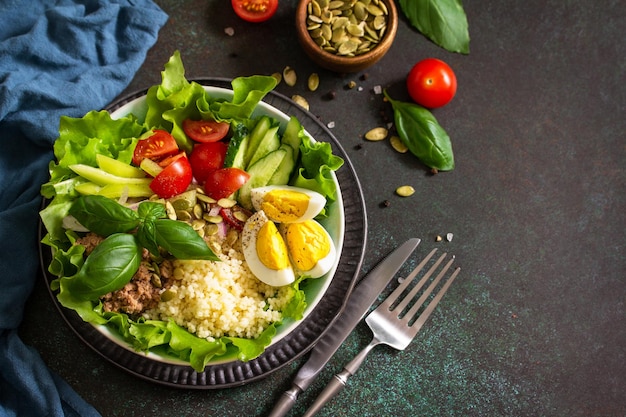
x,y
206,158
431,83
255,10
173,180
224,181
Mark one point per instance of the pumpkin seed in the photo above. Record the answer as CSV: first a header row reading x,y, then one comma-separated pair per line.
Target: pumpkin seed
x,y
398,145
278,76
168,295
405,191
290,77
314,81
226,202
205,198
169,209
156,280
198,224
300,101
240,215
213,219
376,134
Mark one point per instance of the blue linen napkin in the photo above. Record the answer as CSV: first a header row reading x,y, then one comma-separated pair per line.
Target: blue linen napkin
x,y
57,57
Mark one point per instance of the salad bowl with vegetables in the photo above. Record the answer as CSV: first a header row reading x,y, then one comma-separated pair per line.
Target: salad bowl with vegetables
x,y
196,235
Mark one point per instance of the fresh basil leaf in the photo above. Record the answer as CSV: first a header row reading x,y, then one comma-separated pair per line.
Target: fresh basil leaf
x,y
103,216
423,135
442,21
151,211
146,235
109,267
179,239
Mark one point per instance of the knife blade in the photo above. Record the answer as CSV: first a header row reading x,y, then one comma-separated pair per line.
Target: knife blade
x,y
357,306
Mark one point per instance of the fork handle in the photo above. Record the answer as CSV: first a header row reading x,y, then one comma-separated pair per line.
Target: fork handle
x,y
338,382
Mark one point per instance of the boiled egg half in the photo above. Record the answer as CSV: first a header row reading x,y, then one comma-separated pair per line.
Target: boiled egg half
x,y
265,251
297,246
286,204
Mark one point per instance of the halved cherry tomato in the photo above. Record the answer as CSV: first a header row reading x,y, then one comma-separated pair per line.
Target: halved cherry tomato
x,y
255,10
173,180
158,146
223,182
206,158
205,130
431,83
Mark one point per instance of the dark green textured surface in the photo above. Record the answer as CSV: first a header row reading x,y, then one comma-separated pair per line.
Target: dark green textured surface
x,y
534,324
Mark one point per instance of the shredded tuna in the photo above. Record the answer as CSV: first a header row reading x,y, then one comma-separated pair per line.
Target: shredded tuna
x,y
143,292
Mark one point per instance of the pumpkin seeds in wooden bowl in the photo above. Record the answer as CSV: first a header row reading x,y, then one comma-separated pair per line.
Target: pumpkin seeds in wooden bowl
x,y
346,35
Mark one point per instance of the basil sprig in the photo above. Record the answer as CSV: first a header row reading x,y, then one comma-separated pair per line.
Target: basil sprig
x,y
106,217
442,21
423,135
109,267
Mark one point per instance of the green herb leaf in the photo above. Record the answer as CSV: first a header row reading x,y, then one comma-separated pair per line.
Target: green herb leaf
x,y
146,235
151,211
103,216
109,267
442,21
179,239
423,135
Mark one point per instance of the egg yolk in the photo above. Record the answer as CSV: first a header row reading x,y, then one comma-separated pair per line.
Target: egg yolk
x,y
308,243
285,206
271,248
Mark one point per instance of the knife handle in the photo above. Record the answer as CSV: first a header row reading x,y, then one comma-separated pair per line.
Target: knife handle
x,y
285,402
334,386
338,382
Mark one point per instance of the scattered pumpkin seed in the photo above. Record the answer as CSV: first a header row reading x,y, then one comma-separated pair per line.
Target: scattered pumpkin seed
x,y
398,145
226,202
405,191
314,81
168,295
169,209
376,134
290,77
278,76
240,215
300,101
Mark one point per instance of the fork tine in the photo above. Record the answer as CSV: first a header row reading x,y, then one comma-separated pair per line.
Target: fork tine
x,y
393,297
407,299
419,322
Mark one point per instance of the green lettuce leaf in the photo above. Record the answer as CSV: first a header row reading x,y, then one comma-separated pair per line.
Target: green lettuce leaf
x,y
317,165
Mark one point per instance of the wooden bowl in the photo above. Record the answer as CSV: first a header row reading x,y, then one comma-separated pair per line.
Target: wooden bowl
x,y
335,61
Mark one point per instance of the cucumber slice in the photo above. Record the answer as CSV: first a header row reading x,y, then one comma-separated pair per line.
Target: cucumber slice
x,y
235,154
269,143
260,174
292,137
256,136
285,169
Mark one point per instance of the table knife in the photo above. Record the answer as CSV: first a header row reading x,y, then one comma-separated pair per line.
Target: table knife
x,y
359,302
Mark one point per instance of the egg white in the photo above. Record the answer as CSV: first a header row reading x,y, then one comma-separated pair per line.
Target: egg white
x,y
323,265
315,206
249,236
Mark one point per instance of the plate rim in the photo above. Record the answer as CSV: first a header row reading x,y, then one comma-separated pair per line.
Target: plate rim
x,y
293,345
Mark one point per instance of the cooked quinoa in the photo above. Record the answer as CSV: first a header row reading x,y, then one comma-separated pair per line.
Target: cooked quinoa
x,y
214,299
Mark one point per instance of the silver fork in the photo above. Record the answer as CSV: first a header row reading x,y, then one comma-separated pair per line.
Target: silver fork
x,y
391,325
